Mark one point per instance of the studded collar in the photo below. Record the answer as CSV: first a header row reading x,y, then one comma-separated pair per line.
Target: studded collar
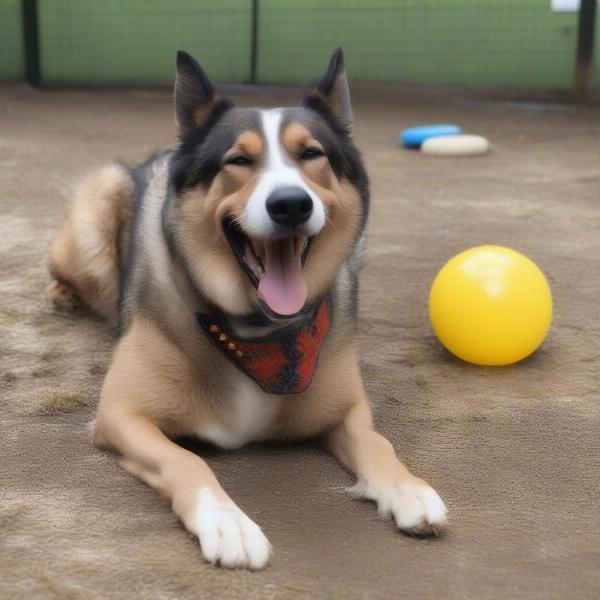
x,y
281,363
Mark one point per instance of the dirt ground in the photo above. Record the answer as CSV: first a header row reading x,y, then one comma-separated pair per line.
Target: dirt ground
x,y
514,451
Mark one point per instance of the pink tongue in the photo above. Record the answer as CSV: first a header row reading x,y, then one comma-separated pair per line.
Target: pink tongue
x,y
282,286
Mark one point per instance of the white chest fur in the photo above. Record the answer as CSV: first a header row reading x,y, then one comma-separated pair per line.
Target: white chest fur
x,y
252,412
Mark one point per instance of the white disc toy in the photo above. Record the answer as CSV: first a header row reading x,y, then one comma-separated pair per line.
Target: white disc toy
x,y
456,145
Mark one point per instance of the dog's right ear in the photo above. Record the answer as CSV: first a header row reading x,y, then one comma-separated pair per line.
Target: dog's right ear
x,y
195,95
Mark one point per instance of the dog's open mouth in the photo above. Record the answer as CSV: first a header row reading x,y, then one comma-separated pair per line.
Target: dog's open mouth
x,y
273,266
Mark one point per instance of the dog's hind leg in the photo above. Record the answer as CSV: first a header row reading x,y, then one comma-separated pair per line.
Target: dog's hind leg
x,y
88,254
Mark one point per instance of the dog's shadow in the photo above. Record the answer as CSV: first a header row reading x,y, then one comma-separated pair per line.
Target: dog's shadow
x,y
208,450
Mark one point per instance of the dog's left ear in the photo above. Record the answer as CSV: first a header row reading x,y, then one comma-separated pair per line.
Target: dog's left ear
x,y
333,93
195,96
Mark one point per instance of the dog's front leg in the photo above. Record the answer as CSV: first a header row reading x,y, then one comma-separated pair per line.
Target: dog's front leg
x,y
414,504
129,421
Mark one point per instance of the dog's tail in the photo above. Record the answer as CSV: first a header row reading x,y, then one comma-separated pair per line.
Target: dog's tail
x,y
88,255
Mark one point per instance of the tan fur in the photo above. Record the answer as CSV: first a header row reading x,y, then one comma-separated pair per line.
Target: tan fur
x,y
342,203
87,256
248,144
167,401
168,391
335,388
137,421
156,390
202,214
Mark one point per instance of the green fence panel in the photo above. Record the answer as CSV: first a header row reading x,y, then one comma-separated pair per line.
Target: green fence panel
x,y
113,41
480,42
471,42
12,60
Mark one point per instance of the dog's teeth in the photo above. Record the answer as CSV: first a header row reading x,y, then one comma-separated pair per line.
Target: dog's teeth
x,y
300,244
256,251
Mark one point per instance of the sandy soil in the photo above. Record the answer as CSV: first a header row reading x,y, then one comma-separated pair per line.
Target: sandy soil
x,y
514,451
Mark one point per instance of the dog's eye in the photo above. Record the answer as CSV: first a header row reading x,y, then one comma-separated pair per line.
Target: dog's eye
x,y
311,153
240,161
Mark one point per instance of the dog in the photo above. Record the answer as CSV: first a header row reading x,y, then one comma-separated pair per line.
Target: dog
x,y
231,267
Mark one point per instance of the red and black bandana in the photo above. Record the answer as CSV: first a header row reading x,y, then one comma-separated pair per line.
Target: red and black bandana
x,y
283,363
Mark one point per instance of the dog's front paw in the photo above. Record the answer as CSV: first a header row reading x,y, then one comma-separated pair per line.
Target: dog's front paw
x,y
227,536
414,504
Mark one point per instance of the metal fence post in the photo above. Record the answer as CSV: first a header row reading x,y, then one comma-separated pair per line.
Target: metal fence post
x,y
31,46
585,48
254,42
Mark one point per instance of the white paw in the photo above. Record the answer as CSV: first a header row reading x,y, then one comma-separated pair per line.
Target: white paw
x,y
227,536
415,506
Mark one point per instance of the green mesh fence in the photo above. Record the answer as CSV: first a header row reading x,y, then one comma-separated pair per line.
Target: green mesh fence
x,y
12,62
519,43
115,41
499,42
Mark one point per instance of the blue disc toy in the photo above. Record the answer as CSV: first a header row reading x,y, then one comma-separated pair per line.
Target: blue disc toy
x,y
413,137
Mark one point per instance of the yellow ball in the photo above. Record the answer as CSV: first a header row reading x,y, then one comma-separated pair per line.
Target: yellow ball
x,y
490,305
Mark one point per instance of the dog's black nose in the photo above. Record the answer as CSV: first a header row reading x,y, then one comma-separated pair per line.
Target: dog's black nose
x,y
289,206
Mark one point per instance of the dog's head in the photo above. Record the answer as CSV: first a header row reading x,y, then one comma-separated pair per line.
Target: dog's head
x,y
265,204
